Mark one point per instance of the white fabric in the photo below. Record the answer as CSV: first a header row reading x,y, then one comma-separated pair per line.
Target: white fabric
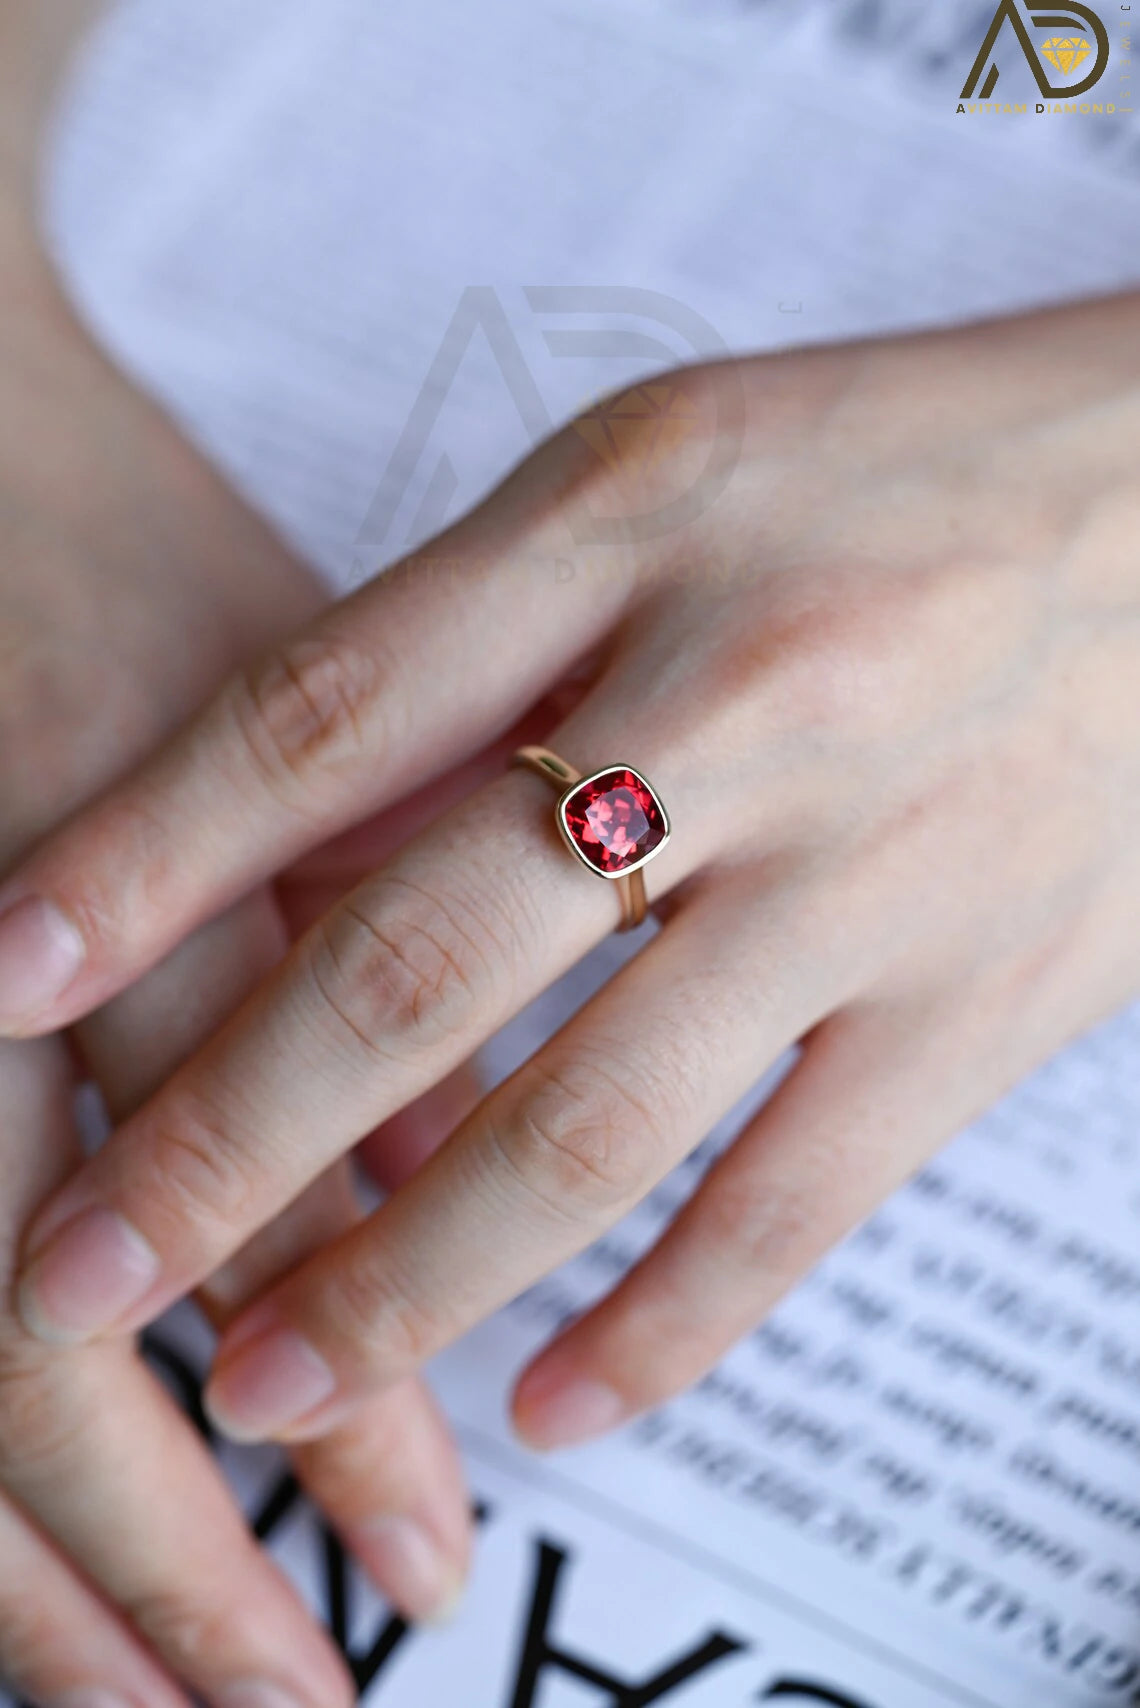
x,y
270,208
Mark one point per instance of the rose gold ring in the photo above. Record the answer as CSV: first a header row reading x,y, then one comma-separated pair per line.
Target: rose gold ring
x,y
612,820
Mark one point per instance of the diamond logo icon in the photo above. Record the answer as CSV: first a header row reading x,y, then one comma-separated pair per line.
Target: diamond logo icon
x,y
639,426
1066,52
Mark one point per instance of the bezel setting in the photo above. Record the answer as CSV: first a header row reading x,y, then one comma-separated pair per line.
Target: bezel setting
x,y
662,829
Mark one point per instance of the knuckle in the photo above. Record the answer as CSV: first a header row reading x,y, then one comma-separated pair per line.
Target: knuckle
x,y
39,1429
116,898
307,709
576,1146
404,964
201,1171
370,1308
769,1228
187,1632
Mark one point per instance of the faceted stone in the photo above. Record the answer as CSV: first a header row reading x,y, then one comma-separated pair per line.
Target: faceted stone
x,y
615,821
1066,52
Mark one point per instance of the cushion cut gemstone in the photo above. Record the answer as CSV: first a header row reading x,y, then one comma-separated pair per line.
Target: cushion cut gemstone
x,y
615,821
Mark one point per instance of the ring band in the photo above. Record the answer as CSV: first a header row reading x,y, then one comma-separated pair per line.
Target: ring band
x,y
612,820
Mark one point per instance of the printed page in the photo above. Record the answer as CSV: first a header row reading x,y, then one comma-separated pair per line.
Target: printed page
x,y
916,1484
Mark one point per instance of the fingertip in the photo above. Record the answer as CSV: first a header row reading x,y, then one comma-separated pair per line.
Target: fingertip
x,y
42,952
251,1322
446,1611
270,1387
79,1281
553,1407
408,1561
36,1320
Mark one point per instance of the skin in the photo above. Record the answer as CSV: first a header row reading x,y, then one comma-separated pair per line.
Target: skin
x,y
133,583
885,674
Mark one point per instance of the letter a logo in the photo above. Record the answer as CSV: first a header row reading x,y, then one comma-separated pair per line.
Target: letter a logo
x,y
1066,52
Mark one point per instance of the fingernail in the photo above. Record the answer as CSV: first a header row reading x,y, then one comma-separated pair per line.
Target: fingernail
x,y
562,1416
410,1567
40,954
87,1275
254,1693
267,1386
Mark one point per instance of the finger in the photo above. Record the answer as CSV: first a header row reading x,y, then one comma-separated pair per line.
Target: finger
x,y
100,1454
872,1099
390,1481
97,1453
383,998
133,1044
386,690
551,1158
394,1151
59,1645
311,886
56,1635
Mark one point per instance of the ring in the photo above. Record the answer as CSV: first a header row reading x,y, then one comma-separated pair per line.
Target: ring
x,y
612,820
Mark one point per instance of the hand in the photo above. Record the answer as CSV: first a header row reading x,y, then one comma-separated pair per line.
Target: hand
x,y
887,684
133,581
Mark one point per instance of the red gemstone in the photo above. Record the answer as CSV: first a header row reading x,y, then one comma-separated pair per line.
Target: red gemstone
x,y
614,820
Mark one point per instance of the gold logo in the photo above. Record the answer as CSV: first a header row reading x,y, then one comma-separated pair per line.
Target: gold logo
x,y
1066,52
